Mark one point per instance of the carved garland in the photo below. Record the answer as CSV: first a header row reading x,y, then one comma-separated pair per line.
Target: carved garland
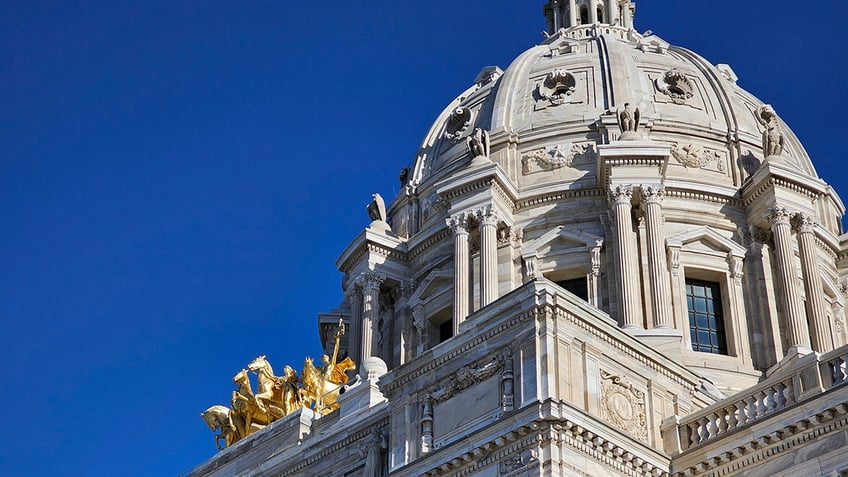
x,y
459,121
466,377
692,155
557,87
554,157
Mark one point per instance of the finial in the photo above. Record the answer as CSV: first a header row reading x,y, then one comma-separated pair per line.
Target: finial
x,y
571,13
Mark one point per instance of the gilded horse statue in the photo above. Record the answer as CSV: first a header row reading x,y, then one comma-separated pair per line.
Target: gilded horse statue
x,y
322,386
222,418
269,398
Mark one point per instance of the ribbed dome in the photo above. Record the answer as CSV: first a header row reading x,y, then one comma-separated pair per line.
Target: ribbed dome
x,y
565,92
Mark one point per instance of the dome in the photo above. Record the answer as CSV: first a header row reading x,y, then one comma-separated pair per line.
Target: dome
x,y
629,172
567,89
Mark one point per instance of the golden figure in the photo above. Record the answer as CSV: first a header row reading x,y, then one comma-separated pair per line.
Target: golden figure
x,y
278,396
221,418
322,385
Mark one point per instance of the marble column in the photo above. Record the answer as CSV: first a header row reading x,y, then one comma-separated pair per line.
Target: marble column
x,y
593,11
354,297
404,314
461,285
652,197
488,256
816,306
628,285
572,13
797,331
370,313
555,6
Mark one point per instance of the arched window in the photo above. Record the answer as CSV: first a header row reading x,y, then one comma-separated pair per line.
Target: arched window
x,y
584,15
600,14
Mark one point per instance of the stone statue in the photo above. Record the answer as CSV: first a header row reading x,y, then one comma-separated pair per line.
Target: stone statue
x,y
478,143
377,208
372,449
773,138
628,122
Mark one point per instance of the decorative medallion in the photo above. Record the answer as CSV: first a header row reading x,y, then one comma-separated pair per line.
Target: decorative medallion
x,y
459,121
557,87
692,155
553,157
675,85
623,405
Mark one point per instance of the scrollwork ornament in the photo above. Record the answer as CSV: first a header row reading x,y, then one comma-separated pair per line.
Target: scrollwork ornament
x,y
621,194
553,157
803,223
653,194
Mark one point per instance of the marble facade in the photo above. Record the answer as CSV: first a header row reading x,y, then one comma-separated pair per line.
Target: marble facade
x,y
525,306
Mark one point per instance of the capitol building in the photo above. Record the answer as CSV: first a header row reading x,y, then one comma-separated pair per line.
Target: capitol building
x,y
606,259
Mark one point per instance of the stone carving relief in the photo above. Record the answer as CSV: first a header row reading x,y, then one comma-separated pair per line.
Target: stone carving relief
x,y
458,123
433,206
628,122
623,406
695,156
466,377
516,463
554,157
674,84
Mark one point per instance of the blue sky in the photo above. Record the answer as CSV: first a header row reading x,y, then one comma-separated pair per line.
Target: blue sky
x,y
178,178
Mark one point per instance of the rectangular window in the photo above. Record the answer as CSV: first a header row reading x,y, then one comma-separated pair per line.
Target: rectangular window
x,y
578,286
706,320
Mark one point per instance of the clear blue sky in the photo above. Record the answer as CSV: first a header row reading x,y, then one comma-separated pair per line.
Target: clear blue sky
x,y
178,178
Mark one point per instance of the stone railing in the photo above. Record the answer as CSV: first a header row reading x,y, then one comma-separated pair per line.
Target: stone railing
x,y
802,380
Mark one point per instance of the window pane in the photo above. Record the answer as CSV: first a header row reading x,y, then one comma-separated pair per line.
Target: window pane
x,y
706,322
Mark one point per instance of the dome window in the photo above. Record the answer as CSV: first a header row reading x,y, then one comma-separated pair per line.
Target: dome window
x,y
557,87
458,123
675,85
584,15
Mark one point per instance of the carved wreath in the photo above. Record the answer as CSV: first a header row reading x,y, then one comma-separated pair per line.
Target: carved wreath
x,y
459,121
623,405
554,157
466,377
557,86
675,85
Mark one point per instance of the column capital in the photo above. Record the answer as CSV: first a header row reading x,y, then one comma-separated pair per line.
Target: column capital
x,y
459,223
778,216
621,194
487,216
370,281
354,289
803,223
653,193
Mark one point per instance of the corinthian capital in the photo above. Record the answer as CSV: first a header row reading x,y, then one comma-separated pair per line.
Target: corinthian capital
x,y
487,216
803,223
458,223
621,194
778,215
371,281
653,194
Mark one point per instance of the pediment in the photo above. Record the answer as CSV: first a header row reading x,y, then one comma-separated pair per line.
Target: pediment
x,y
434,283
705,239
561,235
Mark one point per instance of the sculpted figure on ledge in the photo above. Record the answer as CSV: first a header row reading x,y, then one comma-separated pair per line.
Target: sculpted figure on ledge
x,y
278,396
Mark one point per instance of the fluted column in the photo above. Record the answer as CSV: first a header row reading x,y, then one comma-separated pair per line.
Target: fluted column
x,y
572,13
354,297
488,256
798,333
593,11
461,288
620,197
370,310
816,306
652,197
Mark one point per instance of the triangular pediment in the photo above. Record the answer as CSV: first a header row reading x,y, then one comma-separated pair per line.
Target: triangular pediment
x,y
705,239
561,235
